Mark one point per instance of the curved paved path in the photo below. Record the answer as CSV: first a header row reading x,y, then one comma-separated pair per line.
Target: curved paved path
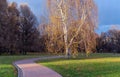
x,y
28,68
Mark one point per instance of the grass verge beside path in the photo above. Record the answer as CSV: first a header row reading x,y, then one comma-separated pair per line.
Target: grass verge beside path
x,y
96,65
6,67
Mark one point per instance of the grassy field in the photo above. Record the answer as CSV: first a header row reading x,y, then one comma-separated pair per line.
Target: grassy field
x,y
96,65
6,67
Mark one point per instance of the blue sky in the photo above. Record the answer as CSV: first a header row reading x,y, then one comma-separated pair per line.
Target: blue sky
x,y
109,11
109,14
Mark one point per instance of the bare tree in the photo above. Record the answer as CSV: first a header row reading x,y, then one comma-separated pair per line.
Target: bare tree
x,y
81,12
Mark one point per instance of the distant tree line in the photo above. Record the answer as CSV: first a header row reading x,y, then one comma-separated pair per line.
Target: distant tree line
x,y
109,42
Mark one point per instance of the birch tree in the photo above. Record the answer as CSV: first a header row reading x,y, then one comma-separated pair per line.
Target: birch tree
x,y
80,16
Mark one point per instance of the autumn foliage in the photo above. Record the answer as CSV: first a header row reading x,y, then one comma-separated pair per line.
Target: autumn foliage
x,y
71,26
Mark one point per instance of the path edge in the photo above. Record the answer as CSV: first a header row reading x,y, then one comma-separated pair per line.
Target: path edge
x,y
19,70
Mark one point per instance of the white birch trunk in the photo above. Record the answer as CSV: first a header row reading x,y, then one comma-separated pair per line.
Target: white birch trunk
x,y
65,31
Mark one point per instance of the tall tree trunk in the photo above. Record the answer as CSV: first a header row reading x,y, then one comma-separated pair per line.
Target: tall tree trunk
x,y
66,40
63,17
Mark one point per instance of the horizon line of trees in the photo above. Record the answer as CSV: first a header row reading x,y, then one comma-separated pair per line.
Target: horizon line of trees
x,y
109,41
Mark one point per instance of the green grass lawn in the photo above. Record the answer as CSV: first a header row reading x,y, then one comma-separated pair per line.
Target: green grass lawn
x,y
96,65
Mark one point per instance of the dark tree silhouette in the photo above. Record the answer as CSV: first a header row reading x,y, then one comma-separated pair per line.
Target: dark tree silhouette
x,y
28,29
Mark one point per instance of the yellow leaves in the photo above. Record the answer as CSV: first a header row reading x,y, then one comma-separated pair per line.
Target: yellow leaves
x,y
55,20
